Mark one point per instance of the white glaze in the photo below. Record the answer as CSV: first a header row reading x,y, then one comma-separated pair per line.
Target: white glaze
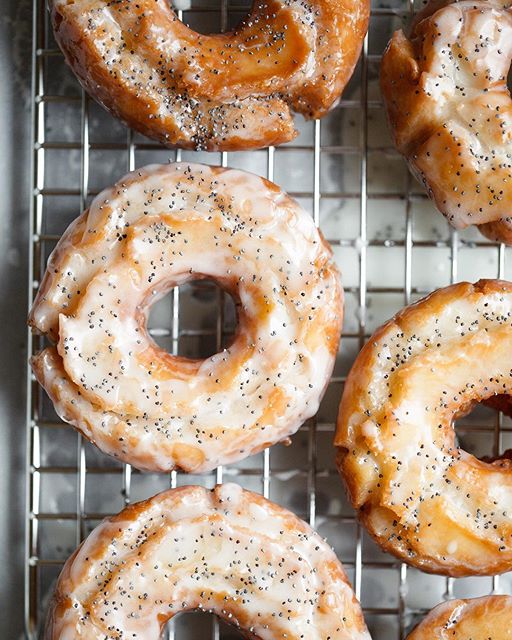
x,y
159,227
227,91
190,548
425,500
486,618
450,111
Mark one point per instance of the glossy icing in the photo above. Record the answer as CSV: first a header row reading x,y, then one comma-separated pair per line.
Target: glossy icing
x,y
422,498
226,551
486,618
445,90
219,91
157,228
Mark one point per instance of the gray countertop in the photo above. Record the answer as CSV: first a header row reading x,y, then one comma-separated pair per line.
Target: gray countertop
x,y
15,43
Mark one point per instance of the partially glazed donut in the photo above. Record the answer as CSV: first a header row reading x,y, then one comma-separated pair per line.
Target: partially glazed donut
x,y
226,551
445,92
486,618
421,497
226,91
157,228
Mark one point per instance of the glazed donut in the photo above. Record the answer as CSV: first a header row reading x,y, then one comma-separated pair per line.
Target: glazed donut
x,y
485,618
218,92
227,551
422,498
450,112
157,228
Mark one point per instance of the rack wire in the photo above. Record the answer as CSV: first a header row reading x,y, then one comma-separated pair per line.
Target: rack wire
x,y
392,248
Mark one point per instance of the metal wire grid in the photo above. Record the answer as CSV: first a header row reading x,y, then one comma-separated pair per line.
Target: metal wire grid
x,y
390,610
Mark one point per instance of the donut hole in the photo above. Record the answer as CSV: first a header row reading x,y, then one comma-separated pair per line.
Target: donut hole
x,y
203,314
476,430
215,20
196,625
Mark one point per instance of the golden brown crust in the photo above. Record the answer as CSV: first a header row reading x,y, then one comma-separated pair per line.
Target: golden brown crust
x,y
486,618
498,231
421,498
450,112
217,92
189,548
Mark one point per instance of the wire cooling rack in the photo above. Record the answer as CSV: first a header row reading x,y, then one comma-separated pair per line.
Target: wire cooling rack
x,y
391,246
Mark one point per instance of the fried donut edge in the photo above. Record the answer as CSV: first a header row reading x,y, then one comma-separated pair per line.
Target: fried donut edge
x,y
230,501
359,479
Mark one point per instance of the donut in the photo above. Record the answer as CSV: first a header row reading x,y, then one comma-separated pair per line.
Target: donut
x,y
224,92
450,112
421,497
227,551
486,618
157,228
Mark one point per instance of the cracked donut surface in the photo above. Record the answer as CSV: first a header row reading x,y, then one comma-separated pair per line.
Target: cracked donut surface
x,y
227,551
422,498
157,228
450,111
486,618
218,92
